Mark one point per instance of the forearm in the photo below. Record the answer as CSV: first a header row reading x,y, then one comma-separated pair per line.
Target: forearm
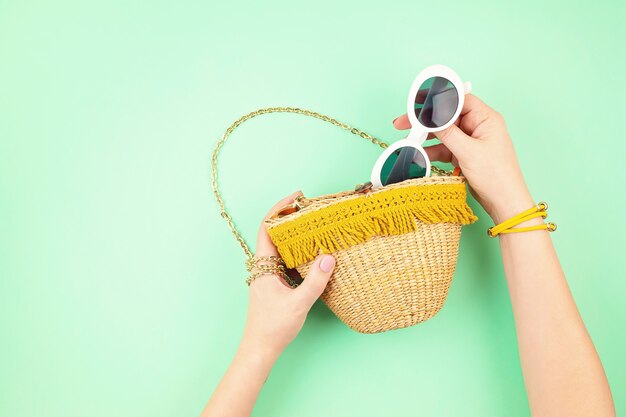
x,y
237,392
276,313
562,371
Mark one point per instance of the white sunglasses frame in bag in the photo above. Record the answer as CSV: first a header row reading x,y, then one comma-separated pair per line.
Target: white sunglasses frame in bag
x,y
419,133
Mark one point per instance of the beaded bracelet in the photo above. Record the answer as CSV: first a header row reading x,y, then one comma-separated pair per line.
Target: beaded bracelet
x,y
540,210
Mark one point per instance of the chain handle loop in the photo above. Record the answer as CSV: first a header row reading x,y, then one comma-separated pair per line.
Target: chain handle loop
x,y
296,110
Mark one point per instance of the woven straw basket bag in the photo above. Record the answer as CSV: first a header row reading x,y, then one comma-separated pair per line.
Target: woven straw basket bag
x,y
395,247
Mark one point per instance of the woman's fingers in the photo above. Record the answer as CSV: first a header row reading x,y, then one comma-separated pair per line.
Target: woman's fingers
x,y
264,245
472,104
441,153
474,113
402,122
281,203
314,284
456,141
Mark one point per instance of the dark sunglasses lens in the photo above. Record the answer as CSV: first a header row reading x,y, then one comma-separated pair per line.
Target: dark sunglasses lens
x,y
436,102
403,164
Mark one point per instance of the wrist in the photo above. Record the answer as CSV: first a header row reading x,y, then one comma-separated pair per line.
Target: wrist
x,y
258,348
510,205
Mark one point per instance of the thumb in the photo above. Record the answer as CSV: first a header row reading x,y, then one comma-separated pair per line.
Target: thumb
x,y
315,282
455,140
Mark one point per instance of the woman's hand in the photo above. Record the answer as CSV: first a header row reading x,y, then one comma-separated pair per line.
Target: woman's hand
x,y
562,371
480,145
276,312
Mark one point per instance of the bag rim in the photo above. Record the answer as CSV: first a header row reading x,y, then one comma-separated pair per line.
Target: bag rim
x,y
339,221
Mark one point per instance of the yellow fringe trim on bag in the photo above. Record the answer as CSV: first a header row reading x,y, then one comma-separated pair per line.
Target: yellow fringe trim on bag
x,y
396,211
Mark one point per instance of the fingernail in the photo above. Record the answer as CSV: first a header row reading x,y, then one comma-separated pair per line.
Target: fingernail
x,y
394,120
327,264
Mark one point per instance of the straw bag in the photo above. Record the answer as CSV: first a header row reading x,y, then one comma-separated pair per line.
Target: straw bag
x,y
395,247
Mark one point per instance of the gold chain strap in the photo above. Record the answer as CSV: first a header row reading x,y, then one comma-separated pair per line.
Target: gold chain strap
x,y
237,123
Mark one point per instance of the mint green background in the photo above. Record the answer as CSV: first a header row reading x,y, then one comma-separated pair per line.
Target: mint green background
x,y
121,290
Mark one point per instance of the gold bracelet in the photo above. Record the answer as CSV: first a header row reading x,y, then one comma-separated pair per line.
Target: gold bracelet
x,y
540,210
253,262
274,266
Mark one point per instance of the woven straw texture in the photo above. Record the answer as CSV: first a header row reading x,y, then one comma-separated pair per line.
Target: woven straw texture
x,y
396,249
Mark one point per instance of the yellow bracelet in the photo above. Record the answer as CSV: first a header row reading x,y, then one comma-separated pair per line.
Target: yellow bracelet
x,y
540,210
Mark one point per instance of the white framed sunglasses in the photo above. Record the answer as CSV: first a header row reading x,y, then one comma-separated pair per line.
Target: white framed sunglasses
x,y
434,103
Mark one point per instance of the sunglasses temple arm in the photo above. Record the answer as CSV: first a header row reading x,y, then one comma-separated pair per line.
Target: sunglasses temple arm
x,y
467,86
401,168
437,87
